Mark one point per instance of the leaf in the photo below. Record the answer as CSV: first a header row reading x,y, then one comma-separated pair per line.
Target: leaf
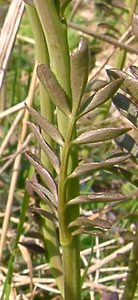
x,y
46,148
46,214
91,231
128,143
46,125
116,74
103,94
56,93
97,84
100,135
126,107
90,220
46,192
86,168
79,72
89,224
43,172
129,85
135,25
42,192
97,198
31,245
34,234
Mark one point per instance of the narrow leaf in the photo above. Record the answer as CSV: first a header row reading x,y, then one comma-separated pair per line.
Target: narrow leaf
x,y
57,94
42,192
89,222
46,148
97,84
91,231
46,125
79,72
90,167
135,25
46,214
116,74
100,135
126,107
129,85
104,94
34,234
97,198
43,172
31,245
46,192
128,143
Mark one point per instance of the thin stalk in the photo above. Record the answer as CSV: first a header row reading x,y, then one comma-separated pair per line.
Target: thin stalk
x,y
47,110
70,245
55,31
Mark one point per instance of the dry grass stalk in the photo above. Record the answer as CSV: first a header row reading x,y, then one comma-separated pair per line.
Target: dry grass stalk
x,y
8,34
16,166
18,152
10,132
12,109
110,257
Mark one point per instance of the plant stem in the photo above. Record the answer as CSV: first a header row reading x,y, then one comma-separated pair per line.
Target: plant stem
x,y
55,31
47,110
70,245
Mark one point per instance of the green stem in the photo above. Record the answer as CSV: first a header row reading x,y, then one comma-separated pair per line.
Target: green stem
x,y
70,245
47,110
55,31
